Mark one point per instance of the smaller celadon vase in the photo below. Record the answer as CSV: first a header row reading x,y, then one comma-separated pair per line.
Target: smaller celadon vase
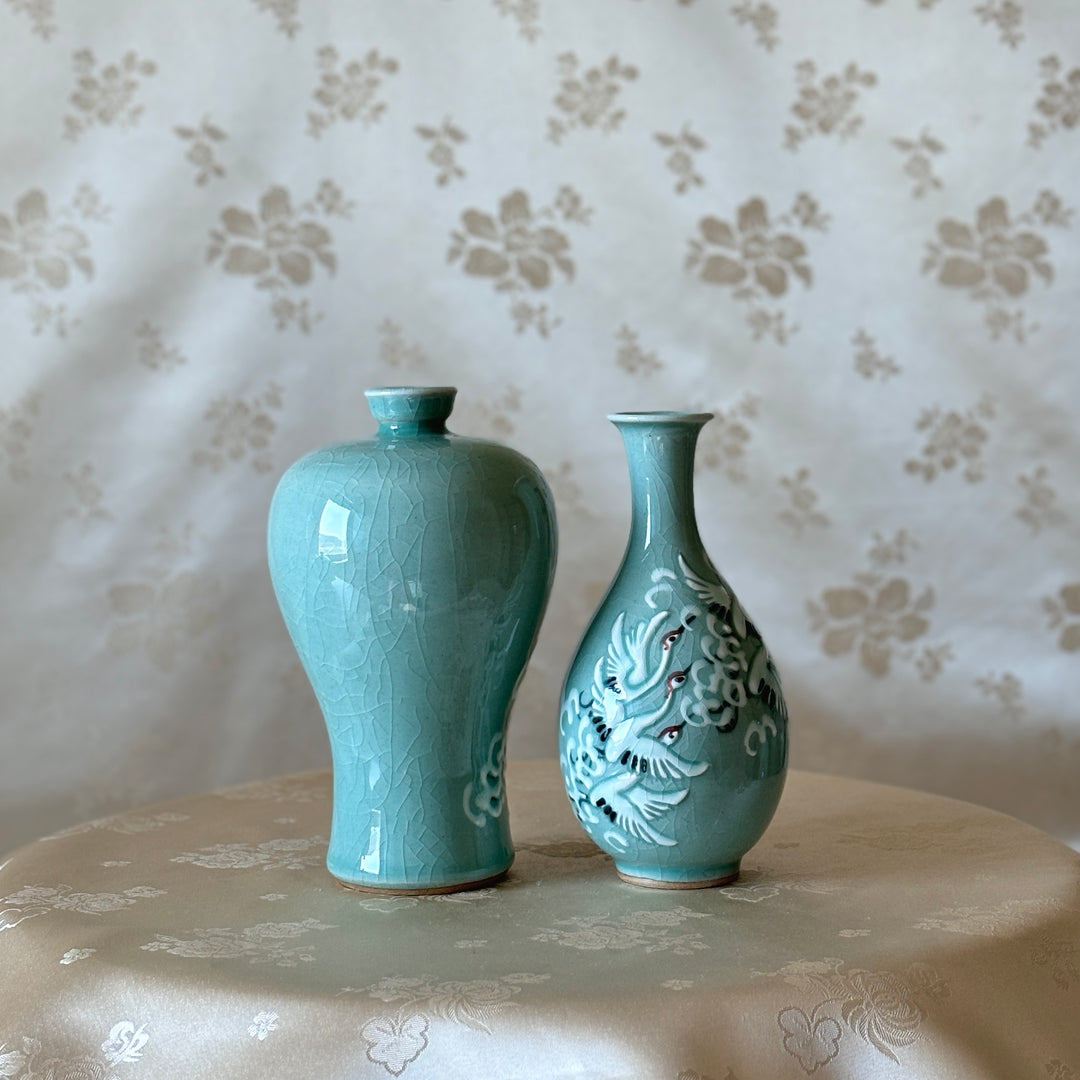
x,y
412,571
673,732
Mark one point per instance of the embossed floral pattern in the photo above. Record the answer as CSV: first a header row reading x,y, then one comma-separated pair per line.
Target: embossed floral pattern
x,y
33,901
885,1009
106,96
757,257
762,18
280,247
284,854
1006,15
869,362
441,152
880,616
349,91
953,439
1040,509
995,259
16,431
1063,612
1059,105
241,427
122,1046
43,252
42,16
631,357
153,352
519,250
680,160
826,106
395,1041
1007,690
263,1024
200,153
525,12
649,931
918,165
589,99
263,943
286,12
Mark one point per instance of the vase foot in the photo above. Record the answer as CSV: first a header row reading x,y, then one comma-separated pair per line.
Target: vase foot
x,y
379,890
724,876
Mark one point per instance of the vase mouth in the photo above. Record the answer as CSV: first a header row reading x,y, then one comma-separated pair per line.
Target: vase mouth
x,y
411,404
625,419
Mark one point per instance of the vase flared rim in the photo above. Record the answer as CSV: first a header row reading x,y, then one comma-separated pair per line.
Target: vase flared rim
x,y
626,418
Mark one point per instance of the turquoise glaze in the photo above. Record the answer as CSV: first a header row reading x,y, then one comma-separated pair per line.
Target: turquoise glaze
x,y
673,733
412,571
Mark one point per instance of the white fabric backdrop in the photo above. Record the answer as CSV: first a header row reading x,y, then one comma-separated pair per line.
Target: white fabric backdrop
x,y
846,227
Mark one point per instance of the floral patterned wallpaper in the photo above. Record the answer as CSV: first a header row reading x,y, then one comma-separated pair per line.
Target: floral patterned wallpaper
x,y
848,229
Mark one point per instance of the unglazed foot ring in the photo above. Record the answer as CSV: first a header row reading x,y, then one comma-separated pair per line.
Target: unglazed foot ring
x,y
378,890
654,883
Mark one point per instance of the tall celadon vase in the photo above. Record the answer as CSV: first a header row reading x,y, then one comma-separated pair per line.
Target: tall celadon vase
x,y
673,731
412,571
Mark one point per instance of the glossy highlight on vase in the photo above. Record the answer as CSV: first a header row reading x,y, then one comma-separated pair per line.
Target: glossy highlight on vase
x,y
412,571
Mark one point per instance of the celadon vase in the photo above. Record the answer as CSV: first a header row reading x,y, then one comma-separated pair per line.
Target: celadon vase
x,y
673,729
412,571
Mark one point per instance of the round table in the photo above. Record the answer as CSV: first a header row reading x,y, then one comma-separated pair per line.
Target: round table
x,y
874,932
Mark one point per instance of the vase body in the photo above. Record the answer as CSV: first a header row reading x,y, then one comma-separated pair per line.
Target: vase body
x,y
673,730
412,571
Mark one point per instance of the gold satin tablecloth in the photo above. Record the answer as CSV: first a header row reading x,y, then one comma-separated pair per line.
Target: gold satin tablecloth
x,y
875,933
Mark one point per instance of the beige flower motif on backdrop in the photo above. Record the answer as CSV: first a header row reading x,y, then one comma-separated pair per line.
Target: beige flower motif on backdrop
x,y
396,352
520,250
723,441
527,14
16,431
1007,690
1060,956
1040,509
441,152
953,439
880,615
350,92
757,258
152,350
200,152
42,252
827,106
801,513
763,19
885,1009
1006,15
281,247
994,260
167,608
588,99
919,164
241,427
285,11
41,13
680,160
1063,611
88,495
106,97
1056,1069
1059,105
869,362
631,357
492,419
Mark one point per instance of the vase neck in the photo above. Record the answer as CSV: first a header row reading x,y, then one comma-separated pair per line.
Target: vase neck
x,y
660,452
406,411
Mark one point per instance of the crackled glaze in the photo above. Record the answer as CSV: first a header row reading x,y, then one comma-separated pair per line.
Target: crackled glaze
x,y
412,571
673,734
